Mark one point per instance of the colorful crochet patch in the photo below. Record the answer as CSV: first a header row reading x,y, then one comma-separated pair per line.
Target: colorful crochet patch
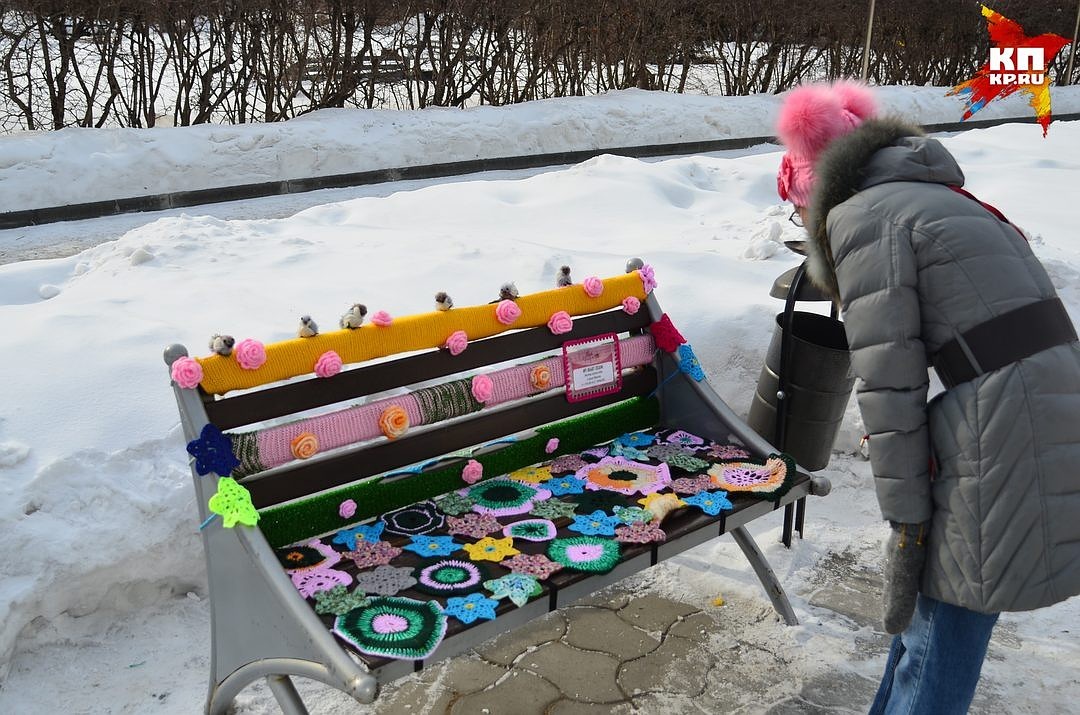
x,y
425,545
769,480
553,509
420,518
308,583
386,580
712,503
562,486
684,438
449,576
664,452
339,601
687,463
370,533
625,477
518,587
726,451
489,549
691,485
306,556
213,452
632,514
394,627
454,504
531,530
233,503
585,553
635,439
640,532
476,526
531,475
596,524
505,497
567,463
536,565
621,450
468,609
446,401
368,554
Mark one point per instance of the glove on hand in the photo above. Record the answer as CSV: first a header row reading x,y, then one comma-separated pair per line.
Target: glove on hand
x,y
905,556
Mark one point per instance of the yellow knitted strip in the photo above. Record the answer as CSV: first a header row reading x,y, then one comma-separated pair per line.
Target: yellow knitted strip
x,y
297,356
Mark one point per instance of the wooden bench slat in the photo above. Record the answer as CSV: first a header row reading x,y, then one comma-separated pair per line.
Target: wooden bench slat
x,y
244,409
307,478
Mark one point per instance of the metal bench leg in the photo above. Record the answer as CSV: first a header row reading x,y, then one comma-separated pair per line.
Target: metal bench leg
x,y
800,515
285,693
789,513
765,575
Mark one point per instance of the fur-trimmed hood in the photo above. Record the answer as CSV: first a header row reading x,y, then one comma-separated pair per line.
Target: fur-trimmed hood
x,y
877,152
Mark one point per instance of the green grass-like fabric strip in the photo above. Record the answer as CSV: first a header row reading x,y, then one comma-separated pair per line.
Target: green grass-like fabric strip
x,y
300,520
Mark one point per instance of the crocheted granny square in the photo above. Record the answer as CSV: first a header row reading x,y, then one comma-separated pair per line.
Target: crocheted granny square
x,y
567,464
394,627
367,554
449,576
640,532
536,565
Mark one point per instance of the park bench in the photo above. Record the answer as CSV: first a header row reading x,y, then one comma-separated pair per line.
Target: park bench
x,y
472,469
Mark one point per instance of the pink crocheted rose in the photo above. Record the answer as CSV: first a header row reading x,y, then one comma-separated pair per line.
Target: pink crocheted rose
x,y
472,472
347,509
552,445
457,342
593,286
482,388
648,278
328,364
382,319
631,305
187,372
250,354
560,323
507,311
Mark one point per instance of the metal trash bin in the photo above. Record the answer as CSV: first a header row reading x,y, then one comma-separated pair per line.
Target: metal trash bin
x,y
818,386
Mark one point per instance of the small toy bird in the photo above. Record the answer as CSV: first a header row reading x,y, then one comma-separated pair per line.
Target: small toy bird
x,y
354,317
222,344
308,328
563,279
443,301
508,291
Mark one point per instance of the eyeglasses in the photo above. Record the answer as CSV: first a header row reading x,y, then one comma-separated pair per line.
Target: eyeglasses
x,y
795,218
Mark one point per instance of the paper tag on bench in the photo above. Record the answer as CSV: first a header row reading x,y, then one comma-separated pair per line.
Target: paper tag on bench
x,y
592,367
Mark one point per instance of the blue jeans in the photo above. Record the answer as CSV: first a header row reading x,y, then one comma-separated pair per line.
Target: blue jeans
x,y
934,665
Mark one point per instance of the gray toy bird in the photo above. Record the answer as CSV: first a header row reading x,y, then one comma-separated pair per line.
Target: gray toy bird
x,y
508,291
354,317
562,278
443,301
222,344
308,328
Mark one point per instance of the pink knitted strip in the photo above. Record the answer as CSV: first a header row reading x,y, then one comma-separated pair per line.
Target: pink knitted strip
x,y
356,424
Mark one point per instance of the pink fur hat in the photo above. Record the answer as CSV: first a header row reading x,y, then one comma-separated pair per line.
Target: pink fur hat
x,y
810,118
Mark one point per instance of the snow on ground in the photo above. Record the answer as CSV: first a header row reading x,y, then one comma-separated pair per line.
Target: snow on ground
x,y
103,589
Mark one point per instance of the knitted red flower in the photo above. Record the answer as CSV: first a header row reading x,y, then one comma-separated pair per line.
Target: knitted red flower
x,y
665,334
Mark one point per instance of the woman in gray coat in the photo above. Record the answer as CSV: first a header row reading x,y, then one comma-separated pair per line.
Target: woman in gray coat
x,y
982,484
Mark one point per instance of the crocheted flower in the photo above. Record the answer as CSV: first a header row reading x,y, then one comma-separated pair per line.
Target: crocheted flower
x,y
593,286
553,509
382,319
472,472
684,438
596,524
419,518
531,530
490,549
585,553
432,545
507,311
648,278
394,421
632,514
540,377
620,475
213,452
366,554
710,502
664,452
518,587
687,463
635,439
454,503
551,446
308,583
536,565
689,364
482,388
250,354
560,322
386,580
561,486
232,502
449,576
567,463
328,364
505,497
749,477
475,526
339,601
457,342
314,554
690,485
726,451
370,533
394,627
619,450
470,608
667,337
186,372
531,475
640,532
631,305
347,509
304,445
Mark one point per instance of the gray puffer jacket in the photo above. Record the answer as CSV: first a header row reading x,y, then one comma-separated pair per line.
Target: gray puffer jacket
x,y
915,264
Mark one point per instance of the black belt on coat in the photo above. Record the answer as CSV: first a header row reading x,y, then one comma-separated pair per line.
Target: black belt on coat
x,y
1003,340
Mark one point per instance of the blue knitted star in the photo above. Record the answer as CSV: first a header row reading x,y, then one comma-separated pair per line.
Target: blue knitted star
x,y
371,533
561,486
433,545
710,502
635,439
469,608
596,524
213,452
689,363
